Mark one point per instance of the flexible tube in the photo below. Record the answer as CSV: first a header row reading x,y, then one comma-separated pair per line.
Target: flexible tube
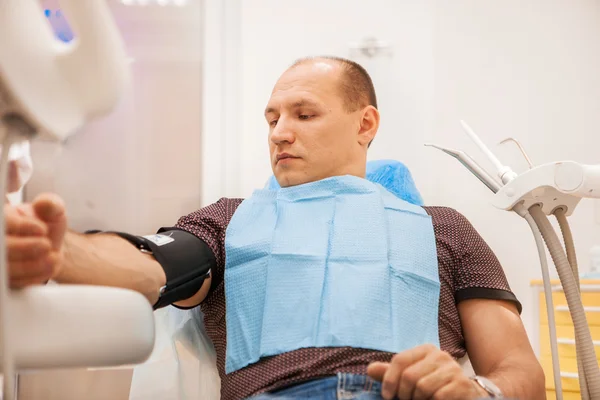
x,y
8,366
582,332
572,257
569,243
549,303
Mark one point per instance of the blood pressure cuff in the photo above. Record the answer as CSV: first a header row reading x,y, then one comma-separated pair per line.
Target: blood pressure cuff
x,y
185,258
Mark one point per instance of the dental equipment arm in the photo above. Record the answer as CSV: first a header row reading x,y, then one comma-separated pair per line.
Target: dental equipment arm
x,y
553,188
472,166
50,90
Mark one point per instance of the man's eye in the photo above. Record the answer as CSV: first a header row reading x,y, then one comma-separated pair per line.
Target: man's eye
x,y
304,117
273,123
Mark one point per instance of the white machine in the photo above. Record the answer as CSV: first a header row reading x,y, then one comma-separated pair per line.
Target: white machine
x,y
550,189
49,89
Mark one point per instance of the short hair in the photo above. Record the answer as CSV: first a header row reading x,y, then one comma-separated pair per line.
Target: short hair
x,y
356,85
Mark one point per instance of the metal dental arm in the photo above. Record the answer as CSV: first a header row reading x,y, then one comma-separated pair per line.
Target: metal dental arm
x,y
549,189
472,166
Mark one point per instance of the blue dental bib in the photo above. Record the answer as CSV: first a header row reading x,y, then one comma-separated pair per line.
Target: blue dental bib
x,y
337,262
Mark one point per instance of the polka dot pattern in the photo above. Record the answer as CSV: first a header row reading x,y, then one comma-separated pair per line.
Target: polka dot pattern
x,y
465,263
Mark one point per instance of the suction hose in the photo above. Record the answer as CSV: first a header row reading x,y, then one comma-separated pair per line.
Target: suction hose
x,y
583,338
572,257
539,242
569,243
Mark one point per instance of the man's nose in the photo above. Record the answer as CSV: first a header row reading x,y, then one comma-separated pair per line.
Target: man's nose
x,y
282,133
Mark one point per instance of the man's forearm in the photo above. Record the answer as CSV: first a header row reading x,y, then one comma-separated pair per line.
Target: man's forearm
x,y
108,260
517,380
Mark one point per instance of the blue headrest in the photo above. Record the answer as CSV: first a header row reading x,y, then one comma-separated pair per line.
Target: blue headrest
x,y
392,175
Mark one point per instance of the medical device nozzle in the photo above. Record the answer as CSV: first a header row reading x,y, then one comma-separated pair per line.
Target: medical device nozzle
x,y
472,166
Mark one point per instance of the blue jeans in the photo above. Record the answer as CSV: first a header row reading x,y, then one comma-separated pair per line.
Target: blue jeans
x,y
341,387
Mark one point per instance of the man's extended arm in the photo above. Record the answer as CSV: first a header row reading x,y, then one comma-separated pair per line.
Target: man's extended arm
x,y
108,260
38,242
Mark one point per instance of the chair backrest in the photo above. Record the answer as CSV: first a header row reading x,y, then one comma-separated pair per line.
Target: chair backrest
x,y
391,174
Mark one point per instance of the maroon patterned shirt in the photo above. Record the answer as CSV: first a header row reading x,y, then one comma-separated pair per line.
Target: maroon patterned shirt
x,y
467,269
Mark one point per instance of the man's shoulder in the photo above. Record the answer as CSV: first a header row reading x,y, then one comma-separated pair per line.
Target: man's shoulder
x,y
441,215
228,202
450,224
225,207
224,203
219,212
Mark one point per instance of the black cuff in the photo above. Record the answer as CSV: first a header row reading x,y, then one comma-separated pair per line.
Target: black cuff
x,y
185,259
487,293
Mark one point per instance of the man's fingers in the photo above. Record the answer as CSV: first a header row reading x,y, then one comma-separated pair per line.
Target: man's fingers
x,y
413,355
49,207
27,248
31,269
456,390
22,225
391,379
34,280
376,370
413,375
396,372
432,382
26,273
26,227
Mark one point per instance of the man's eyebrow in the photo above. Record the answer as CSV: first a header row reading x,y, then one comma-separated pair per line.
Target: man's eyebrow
x,y
297,104
304,103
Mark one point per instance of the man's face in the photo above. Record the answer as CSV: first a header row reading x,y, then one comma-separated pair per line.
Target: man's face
x,y
311,135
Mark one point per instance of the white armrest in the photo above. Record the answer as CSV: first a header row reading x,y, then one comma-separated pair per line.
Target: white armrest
x,y
69,326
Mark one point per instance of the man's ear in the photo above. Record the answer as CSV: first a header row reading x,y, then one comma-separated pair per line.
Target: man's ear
x,y
369,124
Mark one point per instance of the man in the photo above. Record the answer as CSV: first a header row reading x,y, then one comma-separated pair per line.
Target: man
x,y
322,117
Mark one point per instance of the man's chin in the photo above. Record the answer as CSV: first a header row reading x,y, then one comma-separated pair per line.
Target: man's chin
x,y
289,179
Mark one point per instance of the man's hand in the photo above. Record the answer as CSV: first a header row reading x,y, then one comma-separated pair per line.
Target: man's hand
x,y
424,372
34,239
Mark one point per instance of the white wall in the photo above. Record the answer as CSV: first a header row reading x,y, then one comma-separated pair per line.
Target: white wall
x,y
528,70
274,36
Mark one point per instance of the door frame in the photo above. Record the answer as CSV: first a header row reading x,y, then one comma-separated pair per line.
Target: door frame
x,y
221,99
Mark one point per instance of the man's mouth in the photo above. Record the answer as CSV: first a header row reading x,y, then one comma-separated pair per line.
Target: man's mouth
x,y
285,156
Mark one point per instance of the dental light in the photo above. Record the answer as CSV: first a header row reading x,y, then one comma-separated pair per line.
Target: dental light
x,y
49,89
554,188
